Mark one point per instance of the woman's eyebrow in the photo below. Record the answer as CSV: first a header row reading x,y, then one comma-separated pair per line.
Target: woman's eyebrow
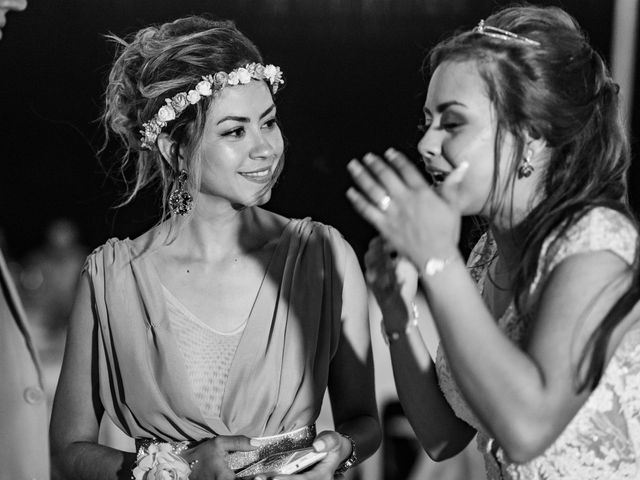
x,y
246,119
443,106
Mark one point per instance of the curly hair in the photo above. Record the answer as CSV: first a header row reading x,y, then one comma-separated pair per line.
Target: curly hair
x,y
156,63
560,91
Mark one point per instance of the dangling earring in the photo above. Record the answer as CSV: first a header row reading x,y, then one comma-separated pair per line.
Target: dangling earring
x,y
525,169
180,201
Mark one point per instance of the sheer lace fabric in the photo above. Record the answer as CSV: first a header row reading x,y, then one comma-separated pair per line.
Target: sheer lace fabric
x,y
602,441
208,354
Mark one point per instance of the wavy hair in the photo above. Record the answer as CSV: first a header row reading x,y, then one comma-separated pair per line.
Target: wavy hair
x,y
560,91
156,63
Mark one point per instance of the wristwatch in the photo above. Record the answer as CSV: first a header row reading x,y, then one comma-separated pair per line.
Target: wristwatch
x,y
352,460
435,265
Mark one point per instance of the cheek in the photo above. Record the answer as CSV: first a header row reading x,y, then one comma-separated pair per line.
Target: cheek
x,y
278,143
477,183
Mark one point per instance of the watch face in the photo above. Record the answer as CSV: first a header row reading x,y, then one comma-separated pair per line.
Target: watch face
x,y
435,265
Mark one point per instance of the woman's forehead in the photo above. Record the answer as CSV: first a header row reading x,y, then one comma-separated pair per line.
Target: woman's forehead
x,y
457,81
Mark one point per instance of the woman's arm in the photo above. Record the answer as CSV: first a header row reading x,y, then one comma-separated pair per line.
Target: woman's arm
x,y
393,282
441,433
77,410
525,398
351,375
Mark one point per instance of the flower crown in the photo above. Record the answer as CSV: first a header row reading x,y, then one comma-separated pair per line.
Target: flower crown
x,y
209,85
496,32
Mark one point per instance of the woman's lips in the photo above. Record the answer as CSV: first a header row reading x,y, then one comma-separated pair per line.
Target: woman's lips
x,y
262,175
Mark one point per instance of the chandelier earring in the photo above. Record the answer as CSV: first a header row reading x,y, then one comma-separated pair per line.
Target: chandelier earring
x,y
180,200
526,168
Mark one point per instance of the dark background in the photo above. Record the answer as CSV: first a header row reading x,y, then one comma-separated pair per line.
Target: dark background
x,y
354,85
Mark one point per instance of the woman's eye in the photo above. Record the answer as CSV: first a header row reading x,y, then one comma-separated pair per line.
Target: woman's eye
x,y
423,127
271,123
450,125
236,132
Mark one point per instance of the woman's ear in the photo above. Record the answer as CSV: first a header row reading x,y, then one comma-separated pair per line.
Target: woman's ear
x,y
537,145
170,151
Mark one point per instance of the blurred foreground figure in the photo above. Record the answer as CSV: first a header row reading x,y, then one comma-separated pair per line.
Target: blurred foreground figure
x,y
47,285
9,5
24,446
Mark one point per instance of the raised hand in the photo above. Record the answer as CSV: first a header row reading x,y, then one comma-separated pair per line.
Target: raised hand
x,y
393,280
417,220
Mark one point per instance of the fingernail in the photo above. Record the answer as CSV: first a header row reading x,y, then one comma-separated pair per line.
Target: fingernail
x,y
319,445
354,166
368,158
390,152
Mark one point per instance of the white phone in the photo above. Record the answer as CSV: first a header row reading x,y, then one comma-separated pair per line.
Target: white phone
x,y
285,463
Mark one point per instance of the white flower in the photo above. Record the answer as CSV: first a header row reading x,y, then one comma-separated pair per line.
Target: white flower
x,y
274,75
193,97
270,72
233,78
166,113
244,76
220,80
179,101
161,463
259,71
204,88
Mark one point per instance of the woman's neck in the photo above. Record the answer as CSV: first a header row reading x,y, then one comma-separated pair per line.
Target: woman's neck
x,y
509,246
210,235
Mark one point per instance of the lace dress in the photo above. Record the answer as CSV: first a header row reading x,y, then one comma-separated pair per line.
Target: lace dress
x,y
602,441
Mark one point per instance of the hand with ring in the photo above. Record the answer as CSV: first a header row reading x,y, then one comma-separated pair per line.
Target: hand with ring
x,y
208,459
413,218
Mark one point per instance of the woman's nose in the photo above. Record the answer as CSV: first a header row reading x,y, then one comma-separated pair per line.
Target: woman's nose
x,y
261,147
430,145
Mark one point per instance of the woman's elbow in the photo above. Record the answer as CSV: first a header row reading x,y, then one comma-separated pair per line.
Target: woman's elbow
x,y
525,442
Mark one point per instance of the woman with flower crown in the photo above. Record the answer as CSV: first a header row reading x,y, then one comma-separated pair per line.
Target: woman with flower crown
x,y
539,335
211,338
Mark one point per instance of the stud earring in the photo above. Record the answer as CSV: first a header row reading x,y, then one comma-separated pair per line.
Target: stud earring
x,y
181,201
525,169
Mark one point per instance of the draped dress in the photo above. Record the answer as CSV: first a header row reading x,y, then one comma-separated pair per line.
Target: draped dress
x,y
279,372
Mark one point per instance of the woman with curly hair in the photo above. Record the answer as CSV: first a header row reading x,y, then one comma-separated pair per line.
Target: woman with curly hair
x,y
212,337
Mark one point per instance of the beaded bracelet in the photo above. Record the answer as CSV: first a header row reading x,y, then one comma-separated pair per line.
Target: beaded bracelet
x,y
353,458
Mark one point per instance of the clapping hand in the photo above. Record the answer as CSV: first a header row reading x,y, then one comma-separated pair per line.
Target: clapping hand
x,y
393,280
415,219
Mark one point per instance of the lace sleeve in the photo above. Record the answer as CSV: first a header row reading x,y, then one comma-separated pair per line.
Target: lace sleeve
x,y
600,229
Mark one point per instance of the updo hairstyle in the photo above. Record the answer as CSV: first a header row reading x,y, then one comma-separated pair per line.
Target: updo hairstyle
x,y
154,64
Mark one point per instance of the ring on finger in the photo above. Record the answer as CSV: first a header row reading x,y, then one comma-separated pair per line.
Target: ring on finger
x,y
384,202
